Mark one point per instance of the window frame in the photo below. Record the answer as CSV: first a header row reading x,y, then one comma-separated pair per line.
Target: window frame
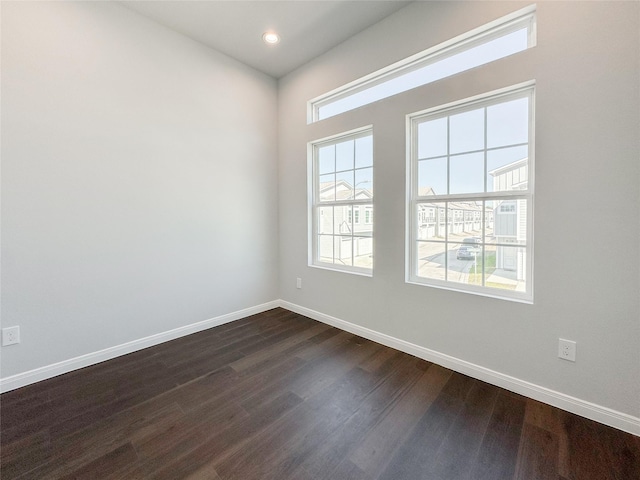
x,y
314,201
523,90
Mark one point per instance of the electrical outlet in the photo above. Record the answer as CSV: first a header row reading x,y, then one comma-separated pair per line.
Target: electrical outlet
x,y
10,336
298,282
567,349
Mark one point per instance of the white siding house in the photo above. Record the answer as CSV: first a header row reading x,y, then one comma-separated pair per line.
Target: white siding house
x,y
511,217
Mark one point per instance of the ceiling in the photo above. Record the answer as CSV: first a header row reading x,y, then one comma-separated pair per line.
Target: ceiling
x,y
307,28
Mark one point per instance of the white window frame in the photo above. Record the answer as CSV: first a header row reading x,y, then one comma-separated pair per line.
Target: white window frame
x,y
526,89
523,18
314,201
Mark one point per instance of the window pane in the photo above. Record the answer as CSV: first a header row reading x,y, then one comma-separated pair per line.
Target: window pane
x,y
327,188
325,220
489,207
430,221
368,214
325,248
466,131
506,268
466,173
509,222
364,152
364,183
432,177
343,249
507,169
343,219
361,226
431,260
465,222
344,155
432,138
326,159
508,123
464,263
344,185
363,252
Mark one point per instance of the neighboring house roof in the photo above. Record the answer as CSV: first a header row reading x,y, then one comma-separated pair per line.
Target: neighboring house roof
x,y
425,191
508,167
343,191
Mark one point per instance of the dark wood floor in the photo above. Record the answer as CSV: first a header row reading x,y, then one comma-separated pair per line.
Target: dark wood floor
x,y
280,396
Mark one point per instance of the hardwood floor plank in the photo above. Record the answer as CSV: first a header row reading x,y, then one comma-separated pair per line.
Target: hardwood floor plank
x,y
550,419
598,451
538,455
71,452
421,446
221,444
107,466
275,349
243,388
296,434
455,456
295,437
323,372
395,377
25,454
377,448
325,348
498,452
65,426
347,471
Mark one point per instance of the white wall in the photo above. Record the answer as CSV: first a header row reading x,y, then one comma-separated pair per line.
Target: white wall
x,y
587,202
139,181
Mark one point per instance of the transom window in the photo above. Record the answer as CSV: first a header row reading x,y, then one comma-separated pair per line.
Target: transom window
x,y
511,34
342,202
471,199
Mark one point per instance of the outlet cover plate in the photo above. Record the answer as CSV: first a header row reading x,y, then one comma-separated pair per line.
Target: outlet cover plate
x,y
10,336
567,349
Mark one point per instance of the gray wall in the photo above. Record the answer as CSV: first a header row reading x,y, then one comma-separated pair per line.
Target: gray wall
x,y
587,205
139,181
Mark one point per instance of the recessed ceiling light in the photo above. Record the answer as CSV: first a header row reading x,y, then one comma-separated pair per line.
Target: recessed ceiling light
x,y
271,38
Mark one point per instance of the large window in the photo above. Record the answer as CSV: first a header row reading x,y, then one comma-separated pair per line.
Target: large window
x,y
341,172
471,202
498,39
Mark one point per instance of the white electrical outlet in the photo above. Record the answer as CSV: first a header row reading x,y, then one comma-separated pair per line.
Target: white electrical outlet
x,y
10,336
298,282
567,349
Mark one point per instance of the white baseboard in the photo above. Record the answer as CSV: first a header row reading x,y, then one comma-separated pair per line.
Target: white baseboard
x,y
32,376
607,416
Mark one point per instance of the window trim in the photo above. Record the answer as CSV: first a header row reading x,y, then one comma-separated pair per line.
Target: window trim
x,y
477,36
313,204
413,199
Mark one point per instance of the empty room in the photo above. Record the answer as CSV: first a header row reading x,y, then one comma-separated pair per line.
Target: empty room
x,y
305,240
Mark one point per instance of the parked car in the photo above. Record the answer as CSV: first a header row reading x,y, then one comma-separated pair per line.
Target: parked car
x,y
467,252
